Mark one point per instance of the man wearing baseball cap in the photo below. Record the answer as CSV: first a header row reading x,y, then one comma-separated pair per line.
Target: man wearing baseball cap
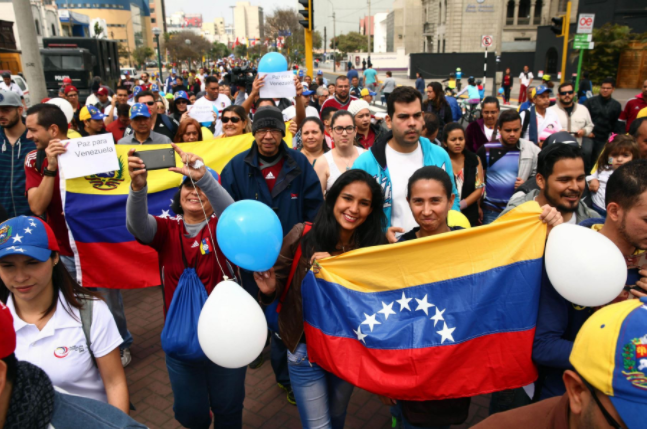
x,y
92,119
8,85
15,147
606,386
367,95
140,121
539,122
29,400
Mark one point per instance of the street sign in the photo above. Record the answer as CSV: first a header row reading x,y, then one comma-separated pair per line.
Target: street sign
x,y
585,23
583,45
486,41
583,38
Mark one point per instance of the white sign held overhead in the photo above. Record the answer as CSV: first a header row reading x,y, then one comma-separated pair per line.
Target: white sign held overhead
x,y
202,112
487,41
585,23
278,85
88,155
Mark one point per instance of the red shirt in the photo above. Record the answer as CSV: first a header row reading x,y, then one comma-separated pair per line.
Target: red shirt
x,y
367,141
334,102
632,108
167,244
117,128
55,218
146,86
272,173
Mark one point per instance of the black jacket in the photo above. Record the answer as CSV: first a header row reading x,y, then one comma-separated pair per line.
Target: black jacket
x,y
604,114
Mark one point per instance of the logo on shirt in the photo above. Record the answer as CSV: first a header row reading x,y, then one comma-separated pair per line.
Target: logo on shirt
x,y
294,196
107,181
63,352
195,244
5,234
205,248
270,176
634,362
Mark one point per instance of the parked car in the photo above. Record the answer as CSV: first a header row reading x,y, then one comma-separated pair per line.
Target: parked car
x,y
151,64
22,83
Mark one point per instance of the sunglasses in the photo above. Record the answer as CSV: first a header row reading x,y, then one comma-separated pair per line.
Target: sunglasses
x,y
566,92
181,101
150,103
233,119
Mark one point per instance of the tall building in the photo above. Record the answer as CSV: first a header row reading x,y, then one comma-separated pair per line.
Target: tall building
x,y
248,21
46,19
379,35
158,14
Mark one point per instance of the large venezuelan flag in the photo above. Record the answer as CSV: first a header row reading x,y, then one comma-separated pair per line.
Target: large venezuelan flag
x,y
106,254
441,317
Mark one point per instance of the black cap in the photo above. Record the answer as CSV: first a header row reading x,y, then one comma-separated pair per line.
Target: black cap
x,y
268,117
6,74
560,137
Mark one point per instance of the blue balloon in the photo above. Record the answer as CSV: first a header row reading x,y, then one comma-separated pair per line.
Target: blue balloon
x,y
500,90
250,235
272,62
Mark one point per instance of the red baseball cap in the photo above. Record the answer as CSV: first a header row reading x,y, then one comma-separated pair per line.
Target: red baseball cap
x,y
102,91
67,80
7,332
70,88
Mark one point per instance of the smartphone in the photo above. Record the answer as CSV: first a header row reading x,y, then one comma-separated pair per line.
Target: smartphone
x,y
157,159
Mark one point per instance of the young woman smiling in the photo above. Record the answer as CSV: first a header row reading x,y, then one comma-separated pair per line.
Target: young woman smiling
x,y
312,139
46,305
351,218
234,122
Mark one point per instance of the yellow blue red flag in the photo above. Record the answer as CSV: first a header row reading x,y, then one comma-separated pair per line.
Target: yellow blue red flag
x,y
441,317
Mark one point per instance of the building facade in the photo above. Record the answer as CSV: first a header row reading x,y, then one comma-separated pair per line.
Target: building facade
x,y
379,37
249,21
46,19
158,14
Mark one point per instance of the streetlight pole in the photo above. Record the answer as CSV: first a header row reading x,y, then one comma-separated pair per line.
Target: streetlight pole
x,y
156,33
334,35
188,44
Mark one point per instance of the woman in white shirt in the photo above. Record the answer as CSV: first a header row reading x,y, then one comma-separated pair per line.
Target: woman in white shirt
x,y
332,164
46,305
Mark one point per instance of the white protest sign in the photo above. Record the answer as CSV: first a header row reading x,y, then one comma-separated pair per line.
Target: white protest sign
x,y
278,85
201,112
87,156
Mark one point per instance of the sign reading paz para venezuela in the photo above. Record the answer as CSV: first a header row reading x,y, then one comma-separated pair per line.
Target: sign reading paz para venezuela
x,y
88,155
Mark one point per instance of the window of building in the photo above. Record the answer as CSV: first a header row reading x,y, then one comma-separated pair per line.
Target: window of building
x,y
53,30
509,17
523,18
562,6
443,46
538,7
37,27
445,12
551,61
153,20
440,14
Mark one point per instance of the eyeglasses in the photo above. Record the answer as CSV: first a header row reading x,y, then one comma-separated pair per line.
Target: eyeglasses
x,y
233,119
566,92
610,420
150,103
263,133
340,130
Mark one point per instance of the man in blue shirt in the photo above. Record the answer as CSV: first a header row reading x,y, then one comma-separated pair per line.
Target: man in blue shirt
x,y
352,73
15,147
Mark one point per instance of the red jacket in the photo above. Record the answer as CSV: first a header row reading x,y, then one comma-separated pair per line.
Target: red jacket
x,y
632,108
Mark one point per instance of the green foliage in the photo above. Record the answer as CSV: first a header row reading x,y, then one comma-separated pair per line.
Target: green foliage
x,y
220,50
610,40
317,40
141,54
351,42
240,51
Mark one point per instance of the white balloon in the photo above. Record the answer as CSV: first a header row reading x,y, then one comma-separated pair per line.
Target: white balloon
x,y
232,329
65,106
584,266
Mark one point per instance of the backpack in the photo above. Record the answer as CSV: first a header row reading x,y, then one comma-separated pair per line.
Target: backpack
x,y
86,311
272,311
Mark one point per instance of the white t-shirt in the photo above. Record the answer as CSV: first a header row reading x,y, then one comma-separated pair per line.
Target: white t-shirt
x,y
401,167
60,348
525,80
13,87
291,112
220,104
107,110
572,220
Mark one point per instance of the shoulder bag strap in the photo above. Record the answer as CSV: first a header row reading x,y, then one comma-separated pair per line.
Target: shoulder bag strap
x,y
295,264
86,323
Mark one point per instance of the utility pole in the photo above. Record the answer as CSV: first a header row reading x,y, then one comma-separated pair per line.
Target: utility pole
x,y
325,42
334,49
33,67
565,28
367,27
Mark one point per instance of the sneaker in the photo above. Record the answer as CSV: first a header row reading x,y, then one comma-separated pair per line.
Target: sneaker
x,y
257,363
126,358
290,393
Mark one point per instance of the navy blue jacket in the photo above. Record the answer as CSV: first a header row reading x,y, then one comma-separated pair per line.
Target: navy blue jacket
x,y
296,196
12,174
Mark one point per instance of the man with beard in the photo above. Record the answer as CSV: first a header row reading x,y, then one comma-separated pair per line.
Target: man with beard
x,y
15,147
559,320
341,98
561,180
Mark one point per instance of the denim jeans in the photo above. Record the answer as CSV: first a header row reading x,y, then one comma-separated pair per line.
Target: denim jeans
x,y
200,386
322,397
489,216
112,298
396,411
279,360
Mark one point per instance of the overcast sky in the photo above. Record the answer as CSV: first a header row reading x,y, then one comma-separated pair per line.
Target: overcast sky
x,y
347,13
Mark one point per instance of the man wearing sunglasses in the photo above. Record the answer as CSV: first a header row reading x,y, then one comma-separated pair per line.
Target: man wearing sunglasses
x,y
605,384
159,123
140,126
574,118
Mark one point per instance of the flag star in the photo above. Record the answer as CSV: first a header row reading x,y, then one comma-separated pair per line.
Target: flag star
x,y
404,302
424,305
31,223
438,316
360,335
17,238
27,230
11,248
386,310
20,249
165,214
370,321
446,333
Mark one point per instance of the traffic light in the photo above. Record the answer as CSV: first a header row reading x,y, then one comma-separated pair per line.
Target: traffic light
x,y
557,27
307,13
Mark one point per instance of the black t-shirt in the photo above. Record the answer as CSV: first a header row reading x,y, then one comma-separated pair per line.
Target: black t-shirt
x,y
569,110
411,235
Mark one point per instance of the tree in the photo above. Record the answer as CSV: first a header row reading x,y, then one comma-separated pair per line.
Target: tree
x,y
180,51
317,40
220,50
141,54
98,29
240,51
351,42
610,40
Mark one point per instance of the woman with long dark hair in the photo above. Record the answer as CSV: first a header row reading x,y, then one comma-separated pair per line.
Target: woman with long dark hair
x,y
437,104
351,218
312,139
57,321
484,129
234,121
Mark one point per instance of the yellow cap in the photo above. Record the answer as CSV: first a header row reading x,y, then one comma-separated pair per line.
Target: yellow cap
x,y
642,113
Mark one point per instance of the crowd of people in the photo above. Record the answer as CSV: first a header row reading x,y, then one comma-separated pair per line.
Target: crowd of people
x,y
345,180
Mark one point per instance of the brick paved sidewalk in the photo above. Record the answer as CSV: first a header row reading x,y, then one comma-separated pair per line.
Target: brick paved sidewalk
x,y
265,404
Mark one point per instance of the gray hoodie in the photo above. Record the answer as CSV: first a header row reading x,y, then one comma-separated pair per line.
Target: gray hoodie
x,y
583,212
